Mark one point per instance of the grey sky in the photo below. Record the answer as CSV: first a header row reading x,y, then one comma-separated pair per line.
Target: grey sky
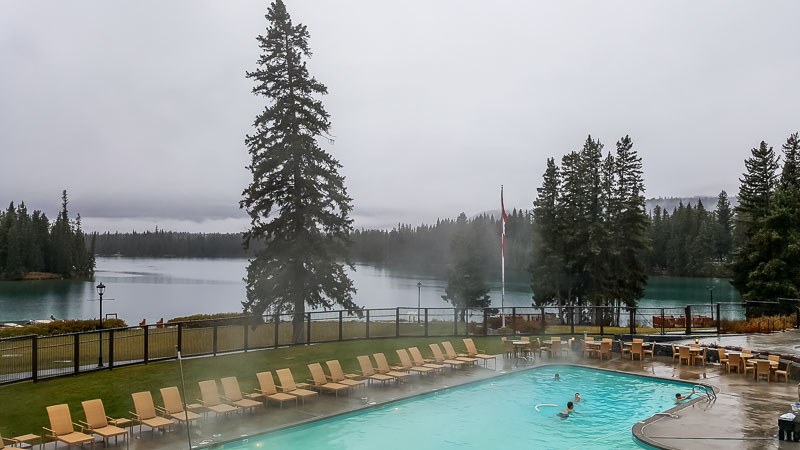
x,y
139,109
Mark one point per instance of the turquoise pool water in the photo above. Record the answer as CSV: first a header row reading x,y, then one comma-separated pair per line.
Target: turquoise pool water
x,y
498,413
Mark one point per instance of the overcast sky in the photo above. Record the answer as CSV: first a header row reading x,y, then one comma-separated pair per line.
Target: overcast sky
x,y
139,108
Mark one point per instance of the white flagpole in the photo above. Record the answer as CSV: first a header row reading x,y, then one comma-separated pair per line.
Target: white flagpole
x,y
502,260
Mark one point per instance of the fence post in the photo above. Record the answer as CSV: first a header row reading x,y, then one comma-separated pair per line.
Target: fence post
x,y
146,353
35,358
662,321
340,324
367,331
486,321
719,320
180,337
76,353
277,320
308,329
426,322
688,319
214,339
571,320
544,325
246,337
514,320
110,349
632,321
397,322
455,321
603,321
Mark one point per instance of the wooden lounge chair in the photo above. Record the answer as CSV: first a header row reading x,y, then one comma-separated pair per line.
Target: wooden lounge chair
x,y
383,367
338,376
473,352
211,399
319,382
762,369
4,441
267,389
288,385
63,429
233,394
370,373
97,422
450,352
146,413
173,406
407,365
418,360
438,357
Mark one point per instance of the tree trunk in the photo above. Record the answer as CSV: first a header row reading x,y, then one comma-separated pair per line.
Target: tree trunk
x,y
298,320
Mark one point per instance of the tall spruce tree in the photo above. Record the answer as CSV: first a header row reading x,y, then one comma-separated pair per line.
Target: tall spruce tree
x,y
723,227
298,205
547,264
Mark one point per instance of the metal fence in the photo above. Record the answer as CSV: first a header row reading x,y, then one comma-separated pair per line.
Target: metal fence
x,y
40,357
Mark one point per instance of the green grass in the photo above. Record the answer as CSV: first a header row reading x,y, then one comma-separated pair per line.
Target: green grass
x,y
28,415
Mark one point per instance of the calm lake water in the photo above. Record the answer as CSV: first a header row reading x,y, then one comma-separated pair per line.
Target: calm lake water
x,y
151,288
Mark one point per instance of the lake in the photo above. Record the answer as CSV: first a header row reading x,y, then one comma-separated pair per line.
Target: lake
x,y
151,288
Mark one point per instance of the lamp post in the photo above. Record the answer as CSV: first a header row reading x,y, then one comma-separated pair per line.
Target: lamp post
x,y
101,289
711,299
419,297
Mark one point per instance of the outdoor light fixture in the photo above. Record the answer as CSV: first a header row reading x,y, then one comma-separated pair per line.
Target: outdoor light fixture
x,y
101,289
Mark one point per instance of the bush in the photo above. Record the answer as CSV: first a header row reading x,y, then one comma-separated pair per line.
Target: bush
x,y
60,327
209,320
764,324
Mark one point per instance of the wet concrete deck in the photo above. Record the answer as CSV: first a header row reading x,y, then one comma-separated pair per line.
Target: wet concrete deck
x,y
744,415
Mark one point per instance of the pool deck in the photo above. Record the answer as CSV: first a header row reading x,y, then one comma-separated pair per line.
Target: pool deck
x,y
744,415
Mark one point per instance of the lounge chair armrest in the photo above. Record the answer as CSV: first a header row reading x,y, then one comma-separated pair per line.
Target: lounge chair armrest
x,y
280,388
134,415
329,378
49,432
3,441
161,410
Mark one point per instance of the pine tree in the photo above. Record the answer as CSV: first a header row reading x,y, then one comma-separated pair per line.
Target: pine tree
x,y
757,186
723,227
466,287
298,205
547,264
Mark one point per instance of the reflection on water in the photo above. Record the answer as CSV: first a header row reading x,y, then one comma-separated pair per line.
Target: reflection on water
x,y
151,288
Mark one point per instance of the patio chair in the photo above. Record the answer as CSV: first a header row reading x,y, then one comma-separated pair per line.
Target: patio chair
x,y
320,383
605,349
684,354
146,413
211,399
783,373
338,376
450,352
589,350
554,350
701,357
473,352
776,358
637,349
173,406
370,373
233,394
649,350
734,362
418,360
750,366
63,429
97,422
623,349
439,358
4,441
406,365
762,369
382,365
676,354
288,385
267,389
723,358
508,347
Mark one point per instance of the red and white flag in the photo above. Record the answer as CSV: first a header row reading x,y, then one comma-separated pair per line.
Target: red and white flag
x,y
504,216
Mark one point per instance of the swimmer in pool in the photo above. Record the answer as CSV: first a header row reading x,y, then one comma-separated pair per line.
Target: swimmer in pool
x,y
566,411
556,378
577,398
680,397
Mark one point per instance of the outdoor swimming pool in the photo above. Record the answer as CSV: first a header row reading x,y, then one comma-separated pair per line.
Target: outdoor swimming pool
x,y
496,413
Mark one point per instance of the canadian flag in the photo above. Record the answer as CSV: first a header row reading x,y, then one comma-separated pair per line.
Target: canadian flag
x,y
504,216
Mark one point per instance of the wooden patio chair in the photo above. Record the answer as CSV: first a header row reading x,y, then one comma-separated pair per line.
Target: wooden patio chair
x,y
97,422
62,428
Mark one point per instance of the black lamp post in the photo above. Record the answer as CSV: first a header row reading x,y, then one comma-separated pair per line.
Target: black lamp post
x,y
101,289
419,297
711,298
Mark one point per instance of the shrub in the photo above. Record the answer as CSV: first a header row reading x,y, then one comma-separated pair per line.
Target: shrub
x,y
60,327
763,324
209,320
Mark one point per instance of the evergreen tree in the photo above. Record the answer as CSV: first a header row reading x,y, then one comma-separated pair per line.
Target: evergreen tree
x,y
547,266
466,287
298,205
723,228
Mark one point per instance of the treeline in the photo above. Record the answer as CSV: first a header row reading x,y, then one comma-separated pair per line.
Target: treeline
x,y
30,243
160,243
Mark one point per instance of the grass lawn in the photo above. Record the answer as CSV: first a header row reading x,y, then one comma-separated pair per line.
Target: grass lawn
x,y
25,402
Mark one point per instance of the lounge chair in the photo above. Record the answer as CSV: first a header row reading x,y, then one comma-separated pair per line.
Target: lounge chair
x,y
97,422
268,390
63,429
370,373
473,352
146,413
408,366
173,406
438,357
450,352
418,360
320,382
338,376
762,369
4,441
288,385
211,399
637,349
233,394
383,367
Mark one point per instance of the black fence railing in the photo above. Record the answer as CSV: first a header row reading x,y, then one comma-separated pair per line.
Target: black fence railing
x,y
40,357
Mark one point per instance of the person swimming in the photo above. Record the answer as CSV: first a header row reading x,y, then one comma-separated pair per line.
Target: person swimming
x,y
577,398
567,411
556,378
680,397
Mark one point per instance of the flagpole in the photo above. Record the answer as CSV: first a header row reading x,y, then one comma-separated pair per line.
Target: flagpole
x,y
502,260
